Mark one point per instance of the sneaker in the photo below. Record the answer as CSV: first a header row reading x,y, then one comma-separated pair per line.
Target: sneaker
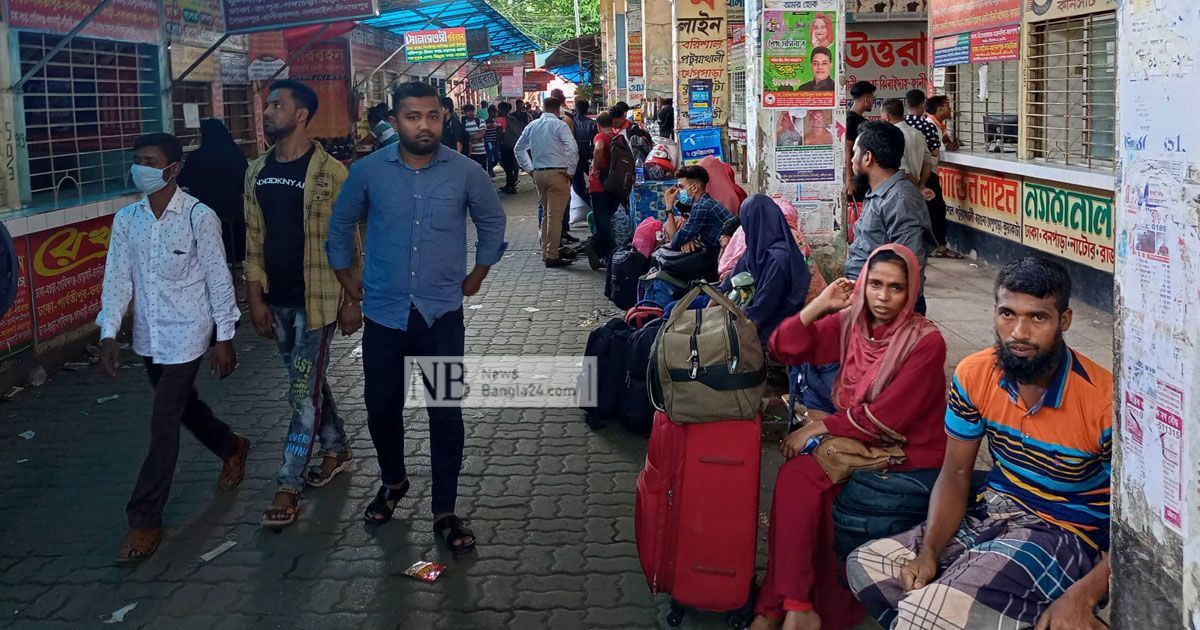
x,y
567,238
593,257
557,262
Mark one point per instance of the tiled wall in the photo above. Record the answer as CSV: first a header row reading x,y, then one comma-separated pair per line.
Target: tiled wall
x,y
22,226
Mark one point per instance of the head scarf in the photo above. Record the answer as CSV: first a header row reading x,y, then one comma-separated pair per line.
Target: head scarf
x,y
721,184
215,171
771,248
872,358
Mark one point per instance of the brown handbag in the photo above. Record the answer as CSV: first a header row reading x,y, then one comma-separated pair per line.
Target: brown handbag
x,y
841,456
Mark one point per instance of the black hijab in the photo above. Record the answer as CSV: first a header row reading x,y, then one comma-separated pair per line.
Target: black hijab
x,y
215,171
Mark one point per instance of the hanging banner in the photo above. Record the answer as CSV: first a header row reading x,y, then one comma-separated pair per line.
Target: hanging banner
x,y
68,274
437,45
245,16
1042,10
16,329
483,80
887,55
702,33
1001,44
952,50
804,145
695,144
324,66
1069,222
799,59
951,17
124,20
195,22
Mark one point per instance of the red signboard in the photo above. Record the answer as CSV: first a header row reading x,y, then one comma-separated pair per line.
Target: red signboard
x,y
950,17
324,67
124,20
68,274
635,56
1001,44
16,329
244,16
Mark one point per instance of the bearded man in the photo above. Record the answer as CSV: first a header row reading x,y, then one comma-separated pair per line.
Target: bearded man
x,y
1035,553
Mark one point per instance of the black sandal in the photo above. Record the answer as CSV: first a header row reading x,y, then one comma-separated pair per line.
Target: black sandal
x,y
378,510
451,528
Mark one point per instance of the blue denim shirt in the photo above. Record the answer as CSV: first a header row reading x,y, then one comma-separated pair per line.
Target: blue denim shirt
x,y
416,243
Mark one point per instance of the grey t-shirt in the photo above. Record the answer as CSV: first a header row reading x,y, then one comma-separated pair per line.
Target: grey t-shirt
x,y
895,212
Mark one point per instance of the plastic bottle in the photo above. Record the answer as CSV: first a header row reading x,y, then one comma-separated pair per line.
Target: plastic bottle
x,y
641,173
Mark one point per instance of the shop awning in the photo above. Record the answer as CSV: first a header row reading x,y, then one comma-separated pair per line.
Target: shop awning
x,y
563,60
401,16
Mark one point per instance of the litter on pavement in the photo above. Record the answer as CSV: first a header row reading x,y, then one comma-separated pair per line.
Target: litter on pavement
x,y
425,571
531,309
218,550
103,399
118,615
28,435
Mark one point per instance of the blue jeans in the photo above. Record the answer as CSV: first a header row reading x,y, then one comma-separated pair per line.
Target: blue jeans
x,y
305,353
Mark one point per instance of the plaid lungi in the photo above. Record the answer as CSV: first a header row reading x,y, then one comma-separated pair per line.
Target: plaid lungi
x,y
1002,570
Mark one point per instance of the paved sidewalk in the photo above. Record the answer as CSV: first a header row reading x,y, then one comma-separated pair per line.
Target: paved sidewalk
x,y
550,500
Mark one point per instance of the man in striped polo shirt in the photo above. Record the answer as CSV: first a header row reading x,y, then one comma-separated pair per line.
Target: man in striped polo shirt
x,y
1036,551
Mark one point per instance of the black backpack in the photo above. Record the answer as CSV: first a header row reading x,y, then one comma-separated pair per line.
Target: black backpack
x,y
609,344
877,504
634,409
622,168
512,132
625,267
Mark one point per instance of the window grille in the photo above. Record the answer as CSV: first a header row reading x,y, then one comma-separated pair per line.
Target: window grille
x,y
988,125
189,92
82,113
737,112
239,117
1071,104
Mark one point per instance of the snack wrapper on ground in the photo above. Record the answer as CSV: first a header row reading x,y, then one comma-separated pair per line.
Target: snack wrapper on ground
x,y
425,571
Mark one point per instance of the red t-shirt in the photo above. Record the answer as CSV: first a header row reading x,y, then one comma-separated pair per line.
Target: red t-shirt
x,y
603,142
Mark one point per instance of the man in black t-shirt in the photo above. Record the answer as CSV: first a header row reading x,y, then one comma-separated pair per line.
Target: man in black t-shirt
x,y
452,127
862,100
295,298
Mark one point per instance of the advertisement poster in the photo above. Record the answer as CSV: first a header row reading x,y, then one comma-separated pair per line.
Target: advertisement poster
x,y
124,20
324,66
804,145
951,17
695,144
636,69
244,16
1042,10
195,22
16,329
700,110
799,59
268,52
512,82
436,45
1001,44
894,10
68,273
702,33
887,55
984,200
1069,222
952,50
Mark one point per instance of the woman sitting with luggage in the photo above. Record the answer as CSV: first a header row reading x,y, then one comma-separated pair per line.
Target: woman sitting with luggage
x,y
774,261
889,395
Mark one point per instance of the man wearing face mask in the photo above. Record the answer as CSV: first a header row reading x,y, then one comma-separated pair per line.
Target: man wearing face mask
x,y
167,249
295,299
419,196
700,232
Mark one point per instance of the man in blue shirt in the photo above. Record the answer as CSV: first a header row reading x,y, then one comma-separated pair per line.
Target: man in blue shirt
x,y
700,232
417,197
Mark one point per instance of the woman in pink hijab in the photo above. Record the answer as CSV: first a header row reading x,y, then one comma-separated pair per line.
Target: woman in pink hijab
x,y
736,248
722,186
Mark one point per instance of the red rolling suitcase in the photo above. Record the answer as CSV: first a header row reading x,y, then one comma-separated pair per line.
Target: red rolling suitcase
x,y
696,517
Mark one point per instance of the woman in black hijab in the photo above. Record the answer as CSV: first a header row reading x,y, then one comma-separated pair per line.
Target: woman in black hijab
x,y
214,174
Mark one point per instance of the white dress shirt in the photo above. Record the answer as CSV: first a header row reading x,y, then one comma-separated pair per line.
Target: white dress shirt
x,y
916,153
552,143
174,268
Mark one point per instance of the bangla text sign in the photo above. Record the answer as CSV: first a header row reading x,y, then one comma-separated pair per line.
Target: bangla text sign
x,y
436,45
124,20
950,17
986,201
244,16
1070,223
68,274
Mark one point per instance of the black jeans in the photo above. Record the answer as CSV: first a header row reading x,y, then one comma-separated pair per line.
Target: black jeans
x,y
385,353
176,403
508,162
480,159
937,210
604,205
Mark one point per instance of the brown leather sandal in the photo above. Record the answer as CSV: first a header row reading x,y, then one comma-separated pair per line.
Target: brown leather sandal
x,y
331,464
139,544
234,469
282,514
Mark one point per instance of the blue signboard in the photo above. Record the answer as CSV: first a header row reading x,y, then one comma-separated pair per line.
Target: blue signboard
x,y
697,143
700,110
952,51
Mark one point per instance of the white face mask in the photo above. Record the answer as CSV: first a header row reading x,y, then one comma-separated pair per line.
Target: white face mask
x,y
148,180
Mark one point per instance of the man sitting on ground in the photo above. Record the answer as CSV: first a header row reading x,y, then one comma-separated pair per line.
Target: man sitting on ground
x,y
705,217
1036,551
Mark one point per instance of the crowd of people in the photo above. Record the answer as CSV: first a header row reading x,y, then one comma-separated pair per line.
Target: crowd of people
x,y
865,362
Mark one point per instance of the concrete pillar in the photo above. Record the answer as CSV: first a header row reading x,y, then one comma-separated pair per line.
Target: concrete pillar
x,y
656,49
633,37
701,42
1156,498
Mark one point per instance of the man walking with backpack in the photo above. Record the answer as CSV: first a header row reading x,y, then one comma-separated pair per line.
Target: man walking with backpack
x,y
513,127
609,181
585,134
555,156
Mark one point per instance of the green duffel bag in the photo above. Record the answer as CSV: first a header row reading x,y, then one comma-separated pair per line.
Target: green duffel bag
x,y
707,364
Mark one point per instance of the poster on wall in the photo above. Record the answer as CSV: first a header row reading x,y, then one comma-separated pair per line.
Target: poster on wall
x,y
892,56
702,33
951,17
697,143
16,329
799,59
245,16
267,55
1000,44
700,111
124,20
804,145
195,22
440,44
67,266
952,51
324,67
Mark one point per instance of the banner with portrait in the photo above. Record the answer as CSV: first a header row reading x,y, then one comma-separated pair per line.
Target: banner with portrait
x,y
799,59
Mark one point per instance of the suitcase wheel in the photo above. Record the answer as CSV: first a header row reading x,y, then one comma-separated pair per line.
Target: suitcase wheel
x,y
675,617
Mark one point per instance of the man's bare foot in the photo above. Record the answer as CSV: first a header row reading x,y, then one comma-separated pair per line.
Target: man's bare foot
x,y
763,622
796,620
